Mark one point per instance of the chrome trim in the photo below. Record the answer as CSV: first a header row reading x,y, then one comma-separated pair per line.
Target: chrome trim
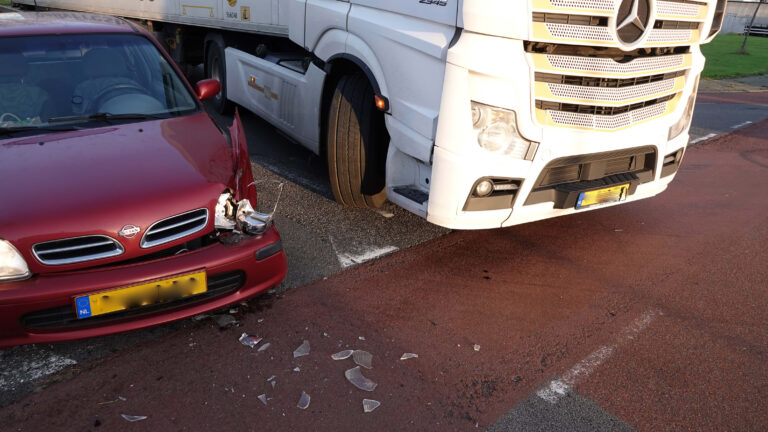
x,y
119,250
145,244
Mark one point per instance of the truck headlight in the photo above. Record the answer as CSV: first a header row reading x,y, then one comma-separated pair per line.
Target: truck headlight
x,y
685,120
12,264
497,132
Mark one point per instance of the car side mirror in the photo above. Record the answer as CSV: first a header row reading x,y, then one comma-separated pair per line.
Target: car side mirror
x,y
208,88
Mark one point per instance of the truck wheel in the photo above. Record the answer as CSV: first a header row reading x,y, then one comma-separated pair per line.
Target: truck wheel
x,y
216,67
356,154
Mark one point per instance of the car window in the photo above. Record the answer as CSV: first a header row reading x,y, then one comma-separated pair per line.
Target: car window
x,y
86,78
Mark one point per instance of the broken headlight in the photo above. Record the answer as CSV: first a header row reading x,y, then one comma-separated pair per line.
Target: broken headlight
x,y
12,264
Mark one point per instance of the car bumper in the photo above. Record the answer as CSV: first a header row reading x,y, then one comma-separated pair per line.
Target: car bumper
x,y
40,309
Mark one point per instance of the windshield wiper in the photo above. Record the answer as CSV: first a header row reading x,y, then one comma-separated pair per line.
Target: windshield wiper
x,y
12,130
105,117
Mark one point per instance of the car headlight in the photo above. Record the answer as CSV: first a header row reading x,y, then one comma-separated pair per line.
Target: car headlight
x,y
685,120
497,132
12,264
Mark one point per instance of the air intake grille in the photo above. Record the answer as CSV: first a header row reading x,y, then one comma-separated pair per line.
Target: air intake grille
x,y
174,228
76,249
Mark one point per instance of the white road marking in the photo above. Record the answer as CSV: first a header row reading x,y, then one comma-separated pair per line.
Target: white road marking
x,y
360,254
17,371
741,124
559,388
704,138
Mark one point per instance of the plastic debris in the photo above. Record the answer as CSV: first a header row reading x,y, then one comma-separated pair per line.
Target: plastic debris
x,y
358,380
249,341
302,350
263,398
477,347
342,355
225,321
370,405
363,358
407,356
303,401
265,346
133,418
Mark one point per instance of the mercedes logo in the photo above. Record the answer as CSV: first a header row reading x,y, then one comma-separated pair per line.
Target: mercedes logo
x,y
129,231
632,20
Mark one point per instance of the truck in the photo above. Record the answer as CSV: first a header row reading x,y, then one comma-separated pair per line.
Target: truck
x,y
473,114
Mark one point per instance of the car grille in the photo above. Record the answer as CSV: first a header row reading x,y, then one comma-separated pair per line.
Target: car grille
x,y
583,77
76,249
64,317
174,228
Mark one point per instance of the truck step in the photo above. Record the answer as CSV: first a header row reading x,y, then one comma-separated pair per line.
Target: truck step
x,y
413,193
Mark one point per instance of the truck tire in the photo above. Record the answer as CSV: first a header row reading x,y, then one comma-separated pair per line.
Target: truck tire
x,y
216,67
356,154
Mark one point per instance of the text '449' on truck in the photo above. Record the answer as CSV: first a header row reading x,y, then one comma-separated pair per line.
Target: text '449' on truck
x,y
470,113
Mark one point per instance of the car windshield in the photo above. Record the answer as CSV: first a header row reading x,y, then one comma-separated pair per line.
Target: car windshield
x,y
51,82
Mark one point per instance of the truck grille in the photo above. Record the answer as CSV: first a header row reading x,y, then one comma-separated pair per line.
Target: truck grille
x,y
174,228
587,77
77,249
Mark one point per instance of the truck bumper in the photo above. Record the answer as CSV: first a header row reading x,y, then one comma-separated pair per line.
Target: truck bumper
x,y
508,82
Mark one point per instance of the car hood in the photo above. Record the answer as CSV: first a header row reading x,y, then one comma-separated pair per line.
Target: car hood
x,y
96,181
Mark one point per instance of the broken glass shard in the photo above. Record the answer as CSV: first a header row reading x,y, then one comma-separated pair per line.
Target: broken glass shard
x,y
303,401
263,398
249,341
363,358
370,405
342,355
302,350
133,418
265,346
407,356
358,380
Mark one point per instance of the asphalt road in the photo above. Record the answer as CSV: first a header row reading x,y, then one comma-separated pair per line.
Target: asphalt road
x,y
648,316
321,238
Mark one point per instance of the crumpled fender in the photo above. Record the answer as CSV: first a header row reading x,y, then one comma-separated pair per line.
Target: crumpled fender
x,y
242,162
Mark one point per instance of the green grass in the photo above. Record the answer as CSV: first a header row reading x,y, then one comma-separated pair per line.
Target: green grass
x,y
724,60
5,2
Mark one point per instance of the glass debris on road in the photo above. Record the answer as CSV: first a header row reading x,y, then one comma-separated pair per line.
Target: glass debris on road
x,y
355,376
302,350
407,356
262,398
363,358
133,418
303,401
342,355
265,346
370,405
477,347
249,341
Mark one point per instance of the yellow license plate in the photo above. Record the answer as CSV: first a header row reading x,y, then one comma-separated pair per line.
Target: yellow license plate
x,y
602,196
144,294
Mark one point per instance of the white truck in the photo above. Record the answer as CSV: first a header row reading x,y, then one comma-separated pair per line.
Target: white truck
x,y
470,113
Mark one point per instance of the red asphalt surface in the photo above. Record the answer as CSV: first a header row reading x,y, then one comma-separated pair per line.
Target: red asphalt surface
x,y
537,299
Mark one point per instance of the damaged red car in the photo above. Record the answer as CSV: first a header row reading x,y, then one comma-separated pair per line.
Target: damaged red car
x,y
122,203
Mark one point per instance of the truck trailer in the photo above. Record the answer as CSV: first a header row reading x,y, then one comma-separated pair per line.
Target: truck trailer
x,y
470,113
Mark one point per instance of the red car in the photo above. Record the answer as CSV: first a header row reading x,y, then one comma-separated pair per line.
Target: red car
x,y
122,204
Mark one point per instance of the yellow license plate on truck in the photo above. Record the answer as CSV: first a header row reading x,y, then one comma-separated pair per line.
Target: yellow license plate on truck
x,y
144,294
602,196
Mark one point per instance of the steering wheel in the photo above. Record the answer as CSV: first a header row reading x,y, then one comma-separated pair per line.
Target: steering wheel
x,y
114,91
